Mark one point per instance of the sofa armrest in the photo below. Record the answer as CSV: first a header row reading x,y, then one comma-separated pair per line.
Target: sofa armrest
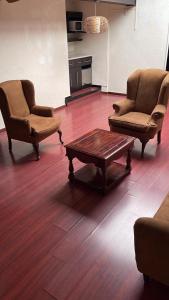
x,y
123,106
18,127
158,112
43,111
152,248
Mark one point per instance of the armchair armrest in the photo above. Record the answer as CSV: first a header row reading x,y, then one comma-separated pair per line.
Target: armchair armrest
x,y
43,111
123,106
158,112
19,128
152,247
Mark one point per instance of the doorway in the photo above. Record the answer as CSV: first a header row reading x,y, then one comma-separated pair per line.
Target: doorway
x,y
167,66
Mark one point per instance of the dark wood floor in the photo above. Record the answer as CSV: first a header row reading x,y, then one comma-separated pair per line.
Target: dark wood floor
x,y
70,243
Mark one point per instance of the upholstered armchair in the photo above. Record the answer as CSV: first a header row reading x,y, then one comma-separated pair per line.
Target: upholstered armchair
x,y
24,120
141,114
151,239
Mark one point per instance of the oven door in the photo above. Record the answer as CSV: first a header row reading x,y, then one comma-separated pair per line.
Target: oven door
x,y
86,75
75,26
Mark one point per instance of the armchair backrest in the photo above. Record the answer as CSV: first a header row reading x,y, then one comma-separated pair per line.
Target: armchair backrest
x,y
147,88
15,98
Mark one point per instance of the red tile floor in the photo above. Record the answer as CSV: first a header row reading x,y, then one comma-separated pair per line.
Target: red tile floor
x,y
65,242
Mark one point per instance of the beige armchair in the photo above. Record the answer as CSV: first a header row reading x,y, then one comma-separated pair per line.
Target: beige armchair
x,y
24,120
151,237
141,114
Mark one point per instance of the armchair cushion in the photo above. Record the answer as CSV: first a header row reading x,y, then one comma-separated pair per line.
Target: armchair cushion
x,y
41,124
123,106
134,121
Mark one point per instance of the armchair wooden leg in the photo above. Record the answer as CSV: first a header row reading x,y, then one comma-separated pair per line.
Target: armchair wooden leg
x,y
60,136
159,137
143,147
36,149
10,144
146,278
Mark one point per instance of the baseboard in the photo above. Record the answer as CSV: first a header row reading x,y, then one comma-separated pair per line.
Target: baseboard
x,y
60,107
2,130
68,99
114,93
71,98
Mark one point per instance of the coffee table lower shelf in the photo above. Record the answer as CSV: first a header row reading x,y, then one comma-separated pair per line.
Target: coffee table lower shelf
x,y
91,176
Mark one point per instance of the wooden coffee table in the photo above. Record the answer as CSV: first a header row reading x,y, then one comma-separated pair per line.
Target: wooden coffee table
x,y
98,149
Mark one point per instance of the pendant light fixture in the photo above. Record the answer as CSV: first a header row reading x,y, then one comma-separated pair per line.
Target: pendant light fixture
x,y
11,1
95,24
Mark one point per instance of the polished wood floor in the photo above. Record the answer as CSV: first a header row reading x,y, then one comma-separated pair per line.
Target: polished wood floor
x,y
63,242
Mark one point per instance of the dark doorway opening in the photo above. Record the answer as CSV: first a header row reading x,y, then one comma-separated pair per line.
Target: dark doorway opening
x,y
167,66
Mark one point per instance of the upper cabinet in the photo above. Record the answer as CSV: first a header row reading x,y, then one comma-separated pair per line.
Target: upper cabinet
x,y
123,2
74,21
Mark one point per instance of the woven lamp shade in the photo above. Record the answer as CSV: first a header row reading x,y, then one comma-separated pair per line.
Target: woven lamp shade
x,y
95,24
11,1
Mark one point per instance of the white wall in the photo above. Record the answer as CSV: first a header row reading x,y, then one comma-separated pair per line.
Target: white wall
x,y
137,39
34,46
140,45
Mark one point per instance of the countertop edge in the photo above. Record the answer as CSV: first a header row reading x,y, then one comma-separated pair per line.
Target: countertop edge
x,y
77,57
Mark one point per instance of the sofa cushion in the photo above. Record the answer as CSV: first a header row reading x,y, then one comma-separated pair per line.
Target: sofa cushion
x,y
163,211
134,121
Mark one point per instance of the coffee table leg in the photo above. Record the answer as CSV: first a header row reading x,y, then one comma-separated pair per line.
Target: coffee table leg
x,y
104,179
71,169
128,161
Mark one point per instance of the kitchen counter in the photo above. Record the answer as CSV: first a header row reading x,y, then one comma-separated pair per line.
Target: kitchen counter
x,y
80,71
79,56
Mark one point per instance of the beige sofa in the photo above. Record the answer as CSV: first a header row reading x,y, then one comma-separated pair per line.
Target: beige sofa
x,y
152,244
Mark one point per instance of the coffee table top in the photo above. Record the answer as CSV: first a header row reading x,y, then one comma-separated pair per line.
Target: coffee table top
x,y
100,143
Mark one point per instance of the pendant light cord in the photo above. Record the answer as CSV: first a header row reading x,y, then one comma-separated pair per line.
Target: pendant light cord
x,y
95,8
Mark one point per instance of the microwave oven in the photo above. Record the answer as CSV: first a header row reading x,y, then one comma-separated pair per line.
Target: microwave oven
x,y
75,26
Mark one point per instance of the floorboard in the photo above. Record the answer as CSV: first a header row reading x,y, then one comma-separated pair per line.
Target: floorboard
x,y
65,242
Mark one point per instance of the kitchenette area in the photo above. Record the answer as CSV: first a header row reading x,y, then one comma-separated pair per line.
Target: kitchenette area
x,y
80,77
80,72
96,58
80,64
